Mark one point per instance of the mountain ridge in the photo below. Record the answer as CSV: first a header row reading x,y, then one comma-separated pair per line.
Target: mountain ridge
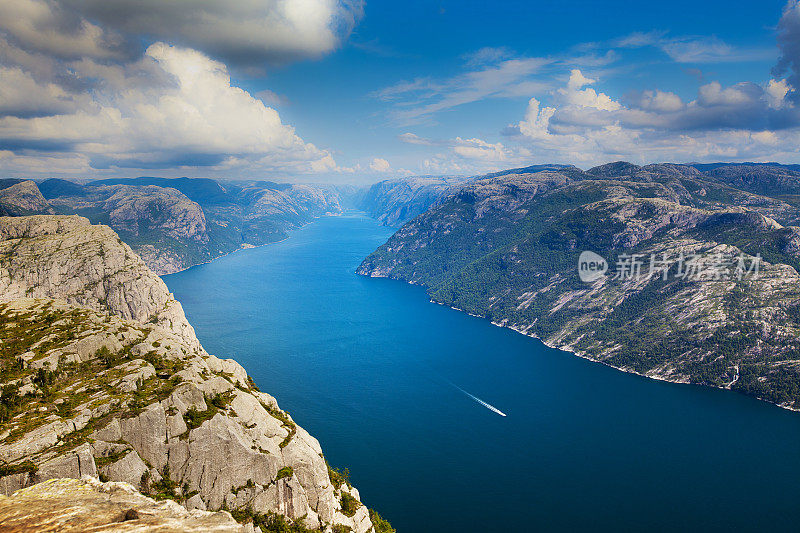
x,y
506,249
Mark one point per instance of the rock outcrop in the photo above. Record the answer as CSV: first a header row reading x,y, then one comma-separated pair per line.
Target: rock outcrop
x,y
68,258
102,375
139,210
23,198
79,505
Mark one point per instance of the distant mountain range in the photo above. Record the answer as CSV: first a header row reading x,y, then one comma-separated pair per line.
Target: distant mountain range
x,y
174,223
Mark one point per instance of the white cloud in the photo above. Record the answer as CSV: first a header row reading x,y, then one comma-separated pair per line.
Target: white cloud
x,y
488,55
467,155
740,121
584,126
188,115
776,93
242,32
272,98
48,27
380,165
422,97
713,94
697,50
659,101
413,138
79,89
490,73
21,95
573,94
691,48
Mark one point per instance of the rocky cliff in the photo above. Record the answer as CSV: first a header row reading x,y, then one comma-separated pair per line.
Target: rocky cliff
x,y
102,375
23,198
395,202
176,223
507,248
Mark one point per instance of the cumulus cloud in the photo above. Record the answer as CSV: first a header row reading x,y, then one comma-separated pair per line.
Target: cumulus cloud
x,y
187,114
658,101
50,27
499,73
77,86
789,44
738,121
380,165
574,94
243,32
21,95
777,92
582,125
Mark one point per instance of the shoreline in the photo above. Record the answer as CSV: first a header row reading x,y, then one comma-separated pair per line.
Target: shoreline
x,y
247,246
583,355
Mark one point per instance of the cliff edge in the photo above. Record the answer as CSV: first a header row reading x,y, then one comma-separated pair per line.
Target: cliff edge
x,y
102,375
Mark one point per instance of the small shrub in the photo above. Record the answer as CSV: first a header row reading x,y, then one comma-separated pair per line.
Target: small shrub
x,y
381,524
194,418
349,504
25,466
286,471
106,357
221,400
338,477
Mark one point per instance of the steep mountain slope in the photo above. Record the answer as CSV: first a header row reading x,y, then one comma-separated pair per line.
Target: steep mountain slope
x,y
507,248
23,198
395,202
204,191
102,375
176,223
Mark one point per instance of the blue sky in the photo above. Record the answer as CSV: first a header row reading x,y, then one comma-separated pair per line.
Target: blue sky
x,y
326,90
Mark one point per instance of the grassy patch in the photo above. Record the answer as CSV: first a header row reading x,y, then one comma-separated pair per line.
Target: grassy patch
x,y
286,471
194,418
269,522
19,468
286,422
110,458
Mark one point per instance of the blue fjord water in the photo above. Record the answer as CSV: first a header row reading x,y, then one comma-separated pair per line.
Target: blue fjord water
x,y
383,379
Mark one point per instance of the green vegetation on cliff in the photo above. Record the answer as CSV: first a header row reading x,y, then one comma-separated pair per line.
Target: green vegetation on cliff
x,y
507,247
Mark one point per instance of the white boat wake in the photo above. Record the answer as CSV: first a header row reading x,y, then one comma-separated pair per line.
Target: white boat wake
x,y
485,404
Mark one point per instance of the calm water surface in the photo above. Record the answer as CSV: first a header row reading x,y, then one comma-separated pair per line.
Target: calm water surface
x,y
373,370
